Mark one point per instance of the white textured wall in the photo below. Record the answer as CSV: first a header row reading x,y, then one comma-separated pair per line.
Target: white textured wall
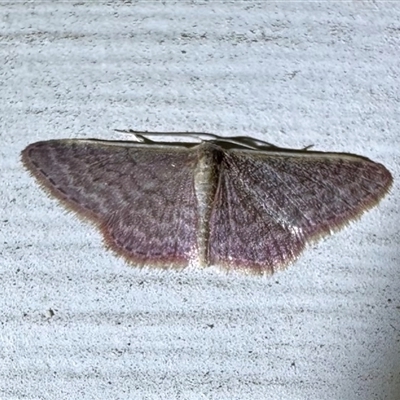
x,y
292,73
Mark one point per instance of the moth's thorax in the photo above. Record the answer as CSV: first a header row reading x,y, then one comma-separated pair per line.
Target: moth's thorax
x,y
205,180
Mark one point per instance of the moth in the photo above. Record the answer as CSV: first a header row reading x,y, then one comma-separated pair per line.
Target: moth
x,y
238,203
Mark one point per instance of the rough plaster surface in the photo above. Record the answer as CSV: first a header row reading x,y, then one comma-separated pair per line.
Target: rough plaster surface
x,y
77,322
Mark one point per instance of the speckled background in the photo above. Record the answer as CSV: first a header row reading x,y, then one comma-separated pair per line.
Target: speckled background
x,y
77,322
